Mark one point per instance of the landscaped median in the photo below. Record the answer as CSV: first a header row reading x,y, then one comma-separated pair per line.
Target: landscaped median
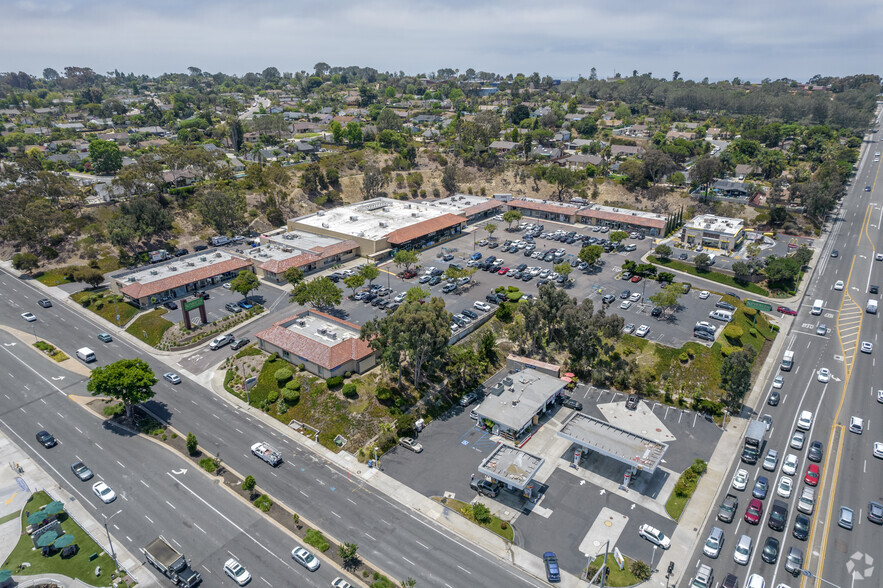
x,y
710,275
51,350
684,489
633,572
480,515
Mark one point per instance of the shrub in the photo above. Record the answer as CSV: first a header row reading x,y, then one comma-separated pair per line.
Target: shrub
x,y
699,467
282,376
249,483
481,513
334,381
113,410
684,358
405,424
208,464
316,539
384,393
733,332
640,570
263,502
296,519
192,444
349,390
290,397
293,385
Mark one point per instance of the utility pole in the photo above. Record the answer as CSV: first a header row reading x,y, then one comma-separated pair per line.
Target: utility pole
x,y
112,552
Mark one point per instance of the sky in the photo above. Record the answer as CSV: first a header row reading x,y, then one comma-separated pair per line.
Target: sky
x,y
749,39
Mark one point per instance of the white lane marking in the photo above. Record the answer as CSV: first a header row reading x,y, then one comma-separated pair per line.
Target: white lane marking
x,y
410,562
465,570
200,528
335,514
148,518
421,545
121,465
370,537
172,505
145,483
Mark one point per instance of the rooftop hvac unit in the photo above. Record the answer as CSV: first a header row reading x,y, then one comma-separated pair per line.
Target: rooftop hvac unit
x,y
154,273
382,224
287,249
130,279
218,254
321,213
325,225
173,268
407,206
354,218
386,209
203,258
414,214
300,323
321,330
331,334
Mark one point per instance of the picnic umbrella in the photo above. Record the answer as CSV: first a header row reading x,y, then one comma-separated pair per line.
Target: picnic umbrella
x,y
5,575
64,541
54,507
37,518
47,539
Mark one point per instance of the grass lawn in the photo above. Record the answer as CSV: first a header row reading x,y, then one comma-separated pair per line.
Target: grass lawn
x,y
496,524
78,566
708,275
53,277
617,577
102,304
51,351
150,327
675,505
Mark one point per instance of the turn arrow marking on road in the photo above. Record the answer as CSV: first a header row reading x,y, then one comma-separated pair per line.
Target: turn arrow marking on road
x,y
180,472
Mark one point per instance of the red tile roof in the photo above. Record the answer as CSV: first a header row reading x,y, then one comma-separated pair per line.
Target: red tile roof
x,y
623,217
327,356
426,227
278,266
490,204
138,290
543,206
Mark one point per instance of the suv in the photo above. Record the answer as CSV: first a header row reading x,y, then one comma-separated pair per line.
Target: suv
x,y
220,341
240,343
468,399
491,489
234,308
778,515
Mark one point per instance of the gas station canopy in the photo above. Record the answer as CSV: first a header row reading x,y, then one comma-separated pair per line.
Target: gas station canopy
x,y
630,448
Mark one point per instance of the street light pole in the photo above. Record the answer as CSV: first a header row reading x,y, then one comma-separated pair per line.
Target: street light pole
x,y
652,558
106,530
809,574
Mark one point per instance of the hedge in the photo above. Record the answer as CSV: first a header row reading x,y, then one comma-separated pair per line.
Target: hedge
x,y
282,376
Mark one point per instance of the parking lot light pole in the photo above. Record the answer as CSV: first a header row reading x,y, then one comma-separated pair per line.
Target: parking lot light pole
x,y
652,558
112,552
809,574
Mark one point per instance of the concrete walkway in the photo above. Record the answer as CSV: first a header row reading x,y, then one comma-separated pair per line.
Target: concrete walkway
x,y
17,486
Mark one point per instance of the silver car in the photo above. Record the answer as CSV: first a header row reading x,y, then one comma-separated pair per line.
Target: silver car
x,y
714,542
743,550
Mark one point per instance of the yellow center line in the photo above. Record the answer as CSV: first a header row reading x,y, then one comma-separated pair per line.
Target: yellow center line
x,y
865,229
861,233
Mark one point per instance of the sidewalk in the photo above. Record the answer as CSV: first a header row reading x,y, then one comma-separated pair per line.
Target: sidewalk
x,y
34,478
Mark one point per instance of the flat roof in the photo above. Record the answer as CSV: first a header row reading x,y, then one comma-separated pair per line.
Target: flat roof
x,y
302,240
511,465
717,224
174,267
612,441
320,330
375,219
513,398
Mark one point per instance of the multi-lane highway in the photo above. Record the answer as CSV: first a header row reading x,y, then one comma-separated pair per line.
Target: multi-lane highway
x,y
850,475
401,542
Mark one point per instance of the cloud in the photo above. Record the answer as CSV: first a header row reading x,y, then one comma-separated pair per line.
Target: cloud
x,y
752,39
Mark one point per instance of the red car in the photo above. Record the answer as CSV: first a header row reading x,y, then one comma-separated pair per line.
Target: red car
x,y
786,310
503,271
812,475
408,274
754,511
636,279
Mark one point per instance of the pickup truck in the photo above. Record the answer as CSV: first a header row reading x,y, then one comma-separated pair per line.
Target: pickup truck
x,y
267,453
171,563
728,509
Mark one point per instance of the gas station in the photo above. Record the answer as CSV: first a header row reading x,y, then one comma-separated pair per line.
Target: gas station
x,y
514,467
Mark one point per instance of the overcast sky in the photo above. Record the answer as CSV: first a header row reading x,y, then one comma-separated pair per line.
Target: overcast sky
x,y
718,39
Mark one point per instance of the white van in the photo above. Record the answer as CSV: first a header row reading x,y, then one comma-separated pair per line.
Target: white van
x,y
871,307
817,307
711,259
630,247
220,240
721,315
86,354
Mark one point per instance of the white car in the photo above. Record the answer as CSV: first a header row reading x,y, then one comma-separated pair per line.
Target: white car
x,y
482,306
654,535
755,581
867,347
798,439
104,492
401,297
227,286
838,285
824,375
878,449
429,270
28,316
778,382
629,328
237,572
625,304
704,294
785,486
804,423
409,443
340,583
856,424
740,479
305,558
642,331
789,466
635,297
743,550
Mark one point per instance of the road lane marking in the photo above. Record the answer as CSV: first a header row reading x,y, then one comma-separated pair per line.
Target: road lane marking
x,y
410,562
148,518
200,528
172,505
465,570
145,483
121,465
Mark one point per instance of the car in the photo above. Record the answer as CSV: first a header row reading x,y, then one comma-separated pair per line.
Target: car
x,y
203,295
838,285
625,304
46,439
81,471
45,302
486,487
636,279
200,248
482,306
28,316
823,375
867,188
683,256
305,558
867,347
656,312
654,535
875,512
771,461
767,420
835,253
878,449
794,561
626,276
724,305
629,328
104,492
754,512
815,451
704,294
424,278
755,581
341,583
856,425
761,486
226,285
642,331
574,404
880,396
778,382
801,527
231,307
787,310
237,572
171,305
714,543
770,553
435,280
447,288
468,399
635,297
740,479
687,287
631,402
774,398
798,439
789,466
172,377
245,304
804,422
550,561
873,288
846,518
105,337
812,475
784,487
822,329
625,294
608,298
704,335
743,550
409,443
469,313
220,341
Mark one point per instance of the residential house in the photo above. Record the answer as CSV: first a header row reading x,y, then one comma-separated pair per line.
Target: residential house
x,y
550,153
580,161
625,151
561,136
503,146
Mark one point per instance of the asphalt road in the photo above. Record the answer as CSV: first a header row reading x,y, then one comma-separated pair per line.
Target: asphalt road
x,y
851,476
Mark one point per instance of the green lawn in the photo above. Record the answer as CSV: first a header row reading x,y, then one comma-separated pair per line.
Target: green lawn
x,y
726,280
102,304
150,327
78,566
53,277
675,505
496,524
617,577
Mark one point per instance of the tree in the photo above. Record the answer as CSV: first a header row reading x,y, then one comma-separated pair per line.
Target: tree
x,y
518,113
668,297
803,255
318,293
416,294
388,120
742,271
373,182
663,251
512,216
405,258
617,236
705,170
90,276
348,553
781,269
127,380
105,156
26,262
490,228
294,275
336,130
223,210
370,272
640,570
354,134
563,268
245,282
564,179
249,483
192,444
702,261
481,513
354,282
658,164
449,178
736,373
590,254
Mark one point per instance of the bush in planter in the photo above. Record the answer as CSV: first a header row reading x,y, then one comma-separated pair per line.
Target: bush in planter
x,y
316,539
334,381
293,385
349,390
208,464
191,443
290,397
263,502
273,396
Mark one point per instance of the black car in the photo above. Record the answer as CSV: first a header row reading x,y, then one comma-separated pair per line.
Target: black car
x,y
801,527
815,451
770,552
704,335
835,253
724,305
625,294
657,311
181,252
200,248
733,294
240,343
526,278
203,295
687,287
369,296
492,298
335,277
171,305
376,301
470,314
608,298
521,267
437,272
45,303
632,402
434,281
683,256
774,398
574,404
46,440
541,282
485,487
873,289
